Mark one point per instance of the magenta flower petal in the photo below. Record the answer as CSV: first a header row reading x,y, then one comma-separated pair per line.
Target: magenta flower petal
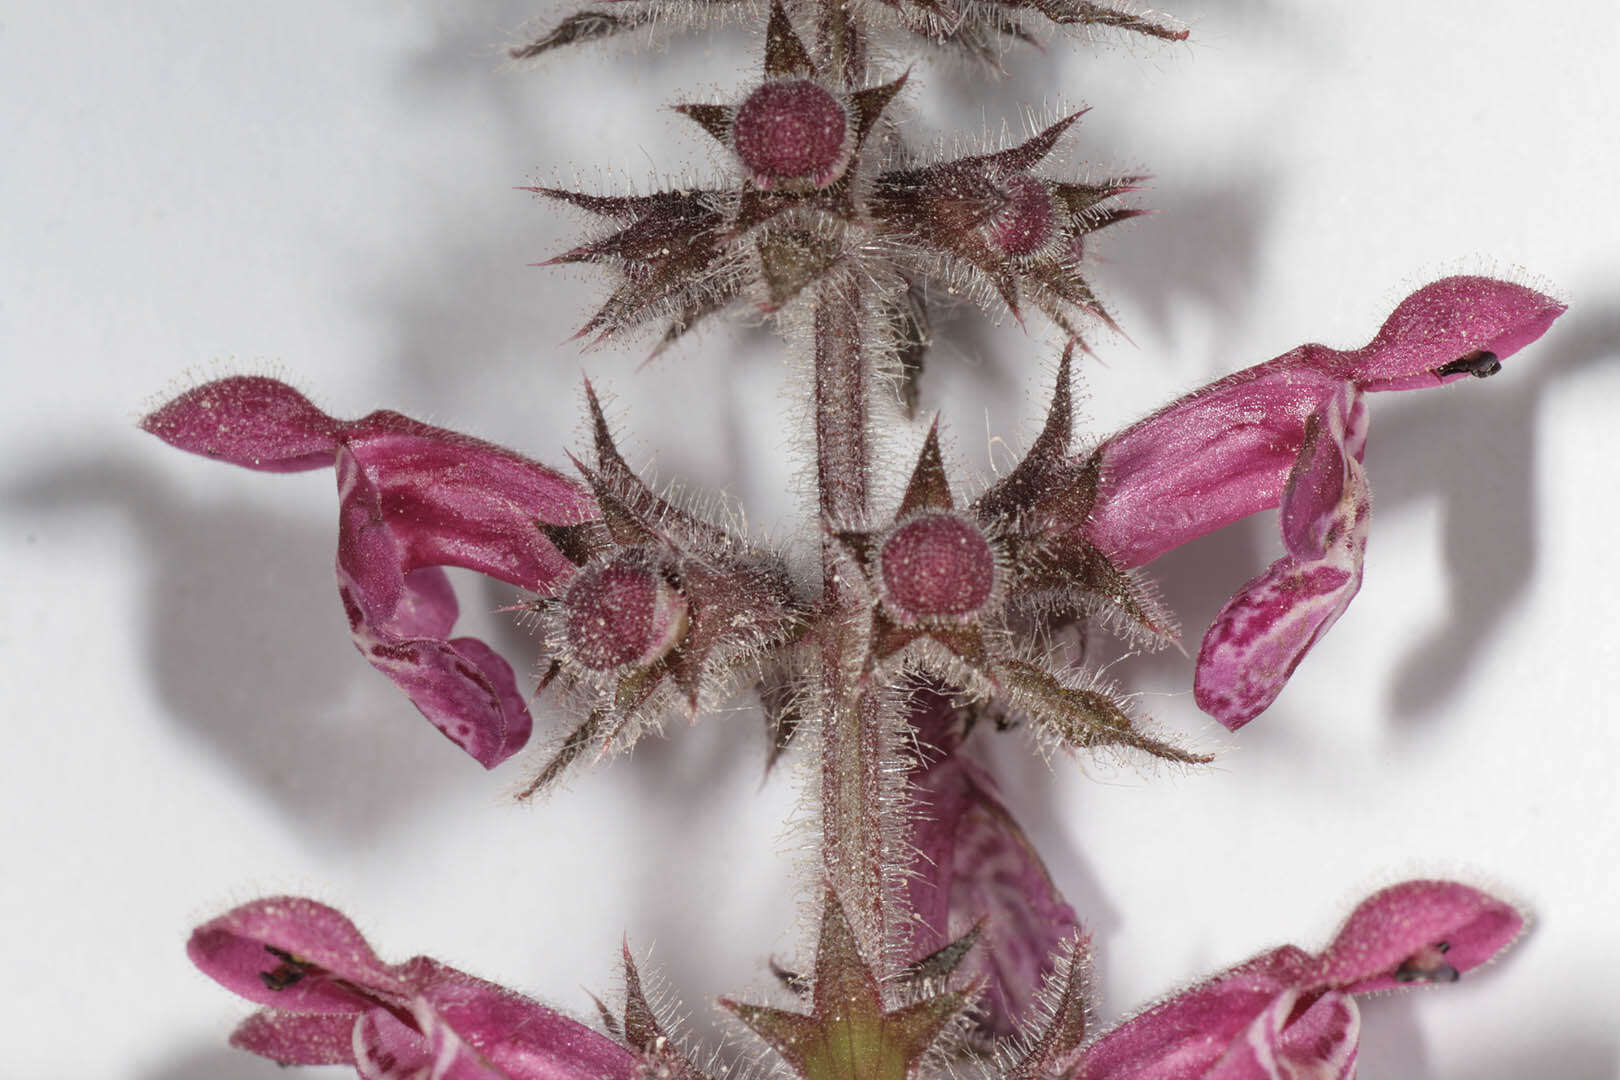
x,y
1215,456
1185,1037
1418,931
1421,342
334,1002
467,1018
975,867
387,1048
250,421
244,949
398,622
412,498
1286,1014
1296,1038
1264,631
1322,1042
1224,451
464,1028
1244,444
458,501
298,1038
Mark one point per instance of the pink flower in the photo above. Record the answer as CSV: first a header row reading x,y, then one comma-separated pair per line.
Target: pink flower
x,y
411,499
1286,1013
975,872
1291,433
330,1001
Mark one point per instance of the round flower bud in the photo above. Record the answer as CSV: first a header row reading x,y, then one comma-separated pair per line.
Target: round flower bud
x,y
936,564
791,130
1027,221
622,612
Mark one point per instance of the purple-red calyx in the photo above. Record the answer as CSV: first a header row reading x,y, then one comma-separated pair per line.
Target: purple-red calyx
x,y
936,564
1291,433
1287,1013
988,224
623,611
792,129
329,1000
412,499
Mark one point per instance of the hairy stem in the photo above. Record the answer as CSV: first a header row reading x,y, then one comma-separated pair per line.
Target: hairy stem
x,y
843,43
841,408
852,737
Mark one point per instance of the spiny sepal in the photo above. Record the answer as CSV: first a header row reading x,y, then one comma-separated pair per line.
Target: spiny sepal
x,y
645,1034
582,26
670,252
1082,717
951,593
988,222
653,514
983,31
582,738
1041,473
1060,573
1041,508
851,1033
928,488
664,610
1053,1037
782,708
1086,13
714,119
791,218
939,965
785,55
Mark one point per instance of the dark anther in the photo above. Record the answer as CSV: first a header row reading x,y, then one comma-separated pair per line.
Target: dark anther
x,y
286,974
1426,965
1481,364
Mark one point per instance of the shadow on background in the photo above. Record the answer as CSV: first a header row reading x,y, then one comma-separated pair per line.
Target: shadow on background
x,y
247,647
682,788
1476,456
1585,1046
1198,249
1479,458
474,322
224,1063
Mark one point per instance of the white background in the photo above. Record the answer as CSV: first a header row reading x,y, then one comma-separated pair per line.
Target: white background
x,y
326,191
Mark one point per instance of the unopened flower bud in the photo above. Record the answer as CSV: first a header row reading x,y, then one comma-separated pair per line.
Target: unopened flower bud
x,y
1027,220
936,564
622,612
792,130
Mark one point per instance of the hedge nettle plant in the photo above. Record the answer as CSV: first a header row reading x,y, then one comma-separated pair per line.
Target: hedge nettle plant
x,y
943,945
